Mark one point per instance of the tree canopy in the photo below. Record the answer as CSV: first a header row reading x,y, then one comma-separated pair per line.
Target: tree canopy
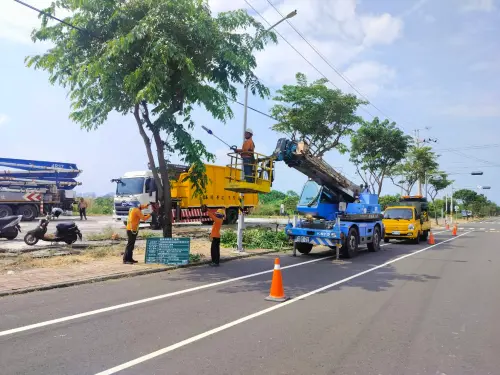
x,y
438,182
376,148
316,114
418,162
156,60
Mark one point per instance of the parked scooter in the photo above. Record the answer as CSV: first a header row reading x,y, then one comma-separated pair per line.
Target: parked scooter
x,y
9,226
67,232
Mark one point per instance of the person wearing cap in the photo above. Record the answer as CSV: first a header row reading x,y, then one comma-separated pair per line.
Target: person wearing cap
x,y
135,216
217,217
247,155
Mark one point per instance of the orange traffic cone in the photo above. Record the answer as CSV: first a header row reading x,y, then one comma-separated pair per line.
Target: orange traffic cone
x,y
454,231
431,240
277,293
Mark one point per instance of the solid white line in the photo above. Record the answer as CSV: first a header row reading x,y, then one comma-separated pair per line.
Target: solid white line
x,y
150,299
192,339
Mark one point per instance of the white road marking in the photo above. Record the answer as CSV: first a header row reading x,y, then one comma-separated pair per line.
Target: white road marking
x,y
150,299
211,332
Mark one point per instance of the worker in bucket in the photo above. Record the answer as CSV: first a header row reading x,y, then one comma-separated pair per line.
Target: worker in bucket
x,y
217,217
247,155
135,216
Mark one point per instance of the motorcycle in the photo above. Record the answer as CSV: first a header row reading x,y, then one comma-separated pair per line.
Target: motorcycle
x,y
67,232
9,226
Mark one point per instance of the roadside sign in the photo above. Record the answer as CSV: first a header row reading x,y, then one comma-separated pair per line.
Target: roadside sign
x,y
457,208
172,251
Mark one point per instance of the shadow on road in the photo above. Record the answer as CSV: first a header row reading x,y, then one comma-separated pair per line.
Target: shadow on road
x,y
302,279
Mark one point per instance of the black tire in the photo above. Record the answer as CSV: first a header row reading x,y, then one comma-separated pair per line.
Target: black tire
x,y
351,244
231,215
375,244
416,240
30,239
386,240
71,240
425,235
5,211
28,212
303,248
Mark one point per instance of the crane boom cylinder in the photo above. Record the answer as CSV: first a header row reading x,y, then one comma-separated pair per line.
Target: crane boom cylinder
x,y
297,155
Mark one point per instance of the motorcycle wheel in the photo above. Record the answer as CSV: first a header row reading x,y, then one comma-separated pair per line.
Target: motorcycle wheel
x,y
30,239
70,240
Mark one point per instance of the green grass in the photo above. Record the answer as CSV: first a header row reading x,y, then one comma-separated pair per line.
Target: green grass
x,y
256,238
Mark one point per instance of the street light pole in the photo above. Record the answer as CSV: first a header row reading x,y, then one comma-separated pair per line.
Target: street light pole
x,y
241,216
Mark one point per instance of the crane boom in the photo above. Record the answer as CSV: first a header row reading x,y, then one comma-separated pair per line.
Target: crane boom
x,y
297,155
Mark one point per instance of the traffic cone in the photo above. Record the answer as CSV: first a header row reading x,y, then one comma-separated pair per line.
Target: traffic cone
x,y
277,293
431,240
454,232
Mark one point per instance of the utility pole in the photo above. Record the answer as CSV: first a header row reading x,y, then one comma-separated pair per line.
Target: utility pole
x,y
417,143
241,216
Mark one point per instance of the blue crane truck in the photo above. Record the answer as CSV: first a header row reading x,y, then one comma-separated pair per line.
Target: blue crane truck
x,y
335,212
31,188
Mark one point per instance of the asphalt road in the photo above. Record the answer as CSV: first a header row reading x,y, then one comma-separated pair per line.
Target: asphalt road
x,y
409,309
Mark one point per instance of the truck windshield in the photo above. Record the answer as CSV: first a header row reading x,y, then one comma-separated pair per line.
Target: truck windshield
x,y
399,213
310,193
130,186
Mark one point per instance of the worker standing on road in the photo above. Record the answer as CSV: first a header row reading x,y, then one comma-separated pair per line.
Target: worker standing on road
x,y
135,216
217,217
247,155
82,206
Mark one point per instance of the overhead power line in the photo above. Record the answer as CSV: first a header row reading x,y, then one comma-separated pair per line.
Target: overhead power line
x,y
300,53
351,84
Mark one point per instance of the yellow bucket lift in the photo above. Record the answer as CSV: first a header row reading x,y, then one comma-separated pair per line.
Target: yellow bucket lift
x,y
259,176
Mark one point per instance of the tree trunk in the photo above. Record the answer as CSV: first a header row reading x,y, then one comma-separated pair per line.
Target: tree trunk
x,y
151,159
167,198
380,183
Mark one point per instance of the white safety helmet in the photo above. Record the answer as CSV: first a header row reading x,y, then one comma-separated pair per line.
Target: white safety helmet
x,y
248,130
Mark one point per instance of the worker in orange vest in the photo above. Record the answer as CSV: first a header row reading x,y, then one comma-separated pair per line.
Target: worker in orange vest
x,y
135,216
247,155
218,218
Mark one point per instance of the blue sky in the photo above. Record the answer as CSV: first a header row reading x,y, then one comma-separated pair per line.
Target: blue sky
x,y
422,63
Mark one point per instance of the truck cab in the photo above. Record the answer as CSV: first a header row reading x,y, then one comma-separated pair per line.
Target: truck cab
x,y
132,188
407,219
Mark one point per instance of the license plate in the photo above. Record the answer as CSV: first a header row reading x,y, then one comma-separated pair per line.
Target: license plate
x,y
396,233
302,239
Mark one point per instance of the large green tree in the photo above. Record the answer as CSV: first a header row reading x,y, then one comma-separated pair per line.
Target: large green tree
x,y
316,114
155,60
418,162
376,148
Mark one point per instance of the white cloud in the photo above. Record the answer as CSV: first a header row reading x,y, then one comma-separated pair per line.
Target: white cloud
x,y
370,76
478,6
335,28
3,119
472,110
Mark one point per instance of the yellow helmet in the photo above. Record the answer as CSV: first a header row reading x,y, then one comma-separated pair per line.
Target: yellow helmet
x,y
221,212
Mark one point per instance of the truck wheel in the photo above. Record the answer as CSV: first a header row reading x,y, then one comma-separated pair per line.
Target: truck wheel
x,y
416,240
5,211
351,243
304,248
29,212
231,215
375,244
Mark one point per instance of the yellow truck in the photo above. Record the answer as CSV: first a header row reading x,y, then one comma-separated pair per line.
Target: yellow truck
x,y
139,186
407,219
